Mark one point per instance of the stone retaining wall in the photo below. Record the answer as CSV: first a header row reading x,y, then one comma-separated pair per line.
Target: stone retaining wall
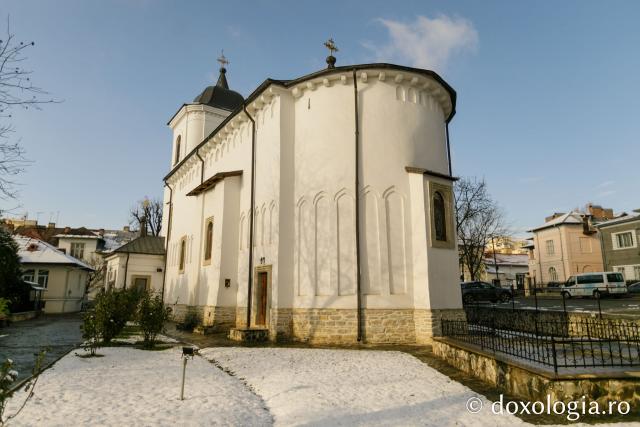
x,y
531,385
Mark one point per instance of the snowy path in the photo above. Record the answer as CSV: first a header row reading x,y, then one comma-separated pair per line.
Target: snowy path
x,y
136,387
352,387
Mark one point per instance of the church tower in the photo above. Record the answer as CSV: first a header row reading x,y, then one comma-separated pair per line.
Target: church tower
x,y
195,121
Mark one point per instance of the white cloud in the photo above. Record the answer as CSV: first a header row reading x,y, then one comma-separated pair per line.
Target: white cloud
x,y
426,43
604,184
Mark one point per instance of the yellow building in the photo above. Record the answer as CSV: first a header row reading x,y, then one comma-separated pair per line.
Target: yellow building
x,y
565,245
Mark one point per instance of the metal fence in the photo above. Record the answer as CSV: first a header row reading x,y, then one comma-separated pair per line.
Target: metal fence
x,y
560,343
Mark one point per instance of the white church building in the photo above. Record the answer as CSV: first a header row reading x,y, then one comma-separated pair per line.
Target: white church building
x,y
324,204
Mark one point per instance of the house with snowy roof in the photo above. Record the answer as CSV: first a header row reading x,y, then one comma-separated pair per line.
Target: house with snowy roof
x,y
63,277
565,245
317,209
138,263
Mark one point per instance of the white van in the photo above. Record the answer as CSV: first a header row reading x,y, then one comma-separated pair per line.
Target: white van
x,y
594,285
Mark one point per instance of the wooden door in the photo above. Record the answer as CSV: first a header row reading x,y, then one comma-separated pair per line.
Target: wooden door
x,y
261,315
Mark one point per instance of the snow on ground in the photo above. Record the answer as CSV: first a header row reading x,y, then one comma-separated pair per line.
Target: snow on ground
x,y
135,387
353,387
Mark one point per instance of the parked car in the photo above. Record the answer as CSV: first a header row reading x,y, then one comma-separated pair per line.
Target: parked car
x,y
594,285
634,288
483,291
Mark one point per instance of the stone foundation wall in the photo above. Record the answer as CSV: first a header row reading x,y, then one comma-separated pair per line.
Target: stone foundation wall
x,y
340,326
532,386
219,318
280,324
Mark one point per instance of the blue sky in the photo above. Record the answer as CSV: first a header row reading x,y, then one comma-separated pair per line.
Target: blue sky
x,y
548,100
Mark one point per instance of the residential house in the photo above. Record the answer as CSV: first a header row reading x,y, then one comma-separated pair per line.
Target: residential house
x,y
511,269
64,277
139,263
566,244
620,248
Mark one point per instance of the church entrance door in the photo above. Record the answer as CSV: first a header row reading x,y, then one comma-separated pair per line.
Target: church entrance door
x,y
261,314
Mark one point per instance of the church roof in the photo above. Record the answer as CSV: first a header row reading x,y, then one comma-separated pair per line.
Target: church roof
x,y
148,245
288,83
220,96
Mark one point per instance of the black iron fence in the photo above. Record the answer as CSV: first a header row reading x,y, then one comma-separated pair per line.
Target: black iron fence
x,y
561,343
480,297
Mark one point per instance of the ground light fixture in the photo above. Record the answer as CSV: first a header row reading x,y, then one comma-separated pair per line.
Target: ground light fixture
x,y
187,353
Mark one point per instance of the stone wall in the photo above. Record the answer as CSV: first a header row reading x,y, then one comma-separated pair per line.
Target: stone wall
x,y
340,326
219,318
532,385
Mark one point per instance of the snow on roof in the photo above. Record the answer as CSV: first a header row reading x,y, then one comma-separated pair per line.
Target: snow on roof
x,y
624,217
76,236
568,218
34,251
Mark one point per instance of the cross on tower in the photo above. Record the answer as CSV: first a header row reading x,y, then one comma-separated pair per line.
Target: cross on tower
x,y
223,59
331,45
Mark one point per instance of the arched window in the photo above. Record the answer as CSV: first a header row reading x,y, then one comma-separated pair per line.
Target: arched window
x,y
183,249
439,217
177,158
208,240
553,275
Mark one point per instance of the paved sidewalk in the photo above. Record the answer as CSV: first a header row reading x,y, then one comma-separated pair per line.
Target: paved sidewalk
x,y
22,340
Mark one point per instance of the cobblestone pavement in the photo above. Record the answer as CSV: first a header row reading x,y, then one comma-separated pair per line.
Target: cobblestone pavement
x,y
21,340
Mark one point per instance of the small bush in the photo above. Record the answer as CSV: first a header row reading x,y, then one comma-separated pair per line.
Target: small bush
x,y
151,317
113,309
91,333
4,307
190,321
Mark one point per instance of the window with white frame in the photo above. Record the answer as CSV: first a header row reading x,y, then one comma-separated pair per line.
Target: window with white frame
x,y
550,247
29,275
77,250
624,240
43,278
553,274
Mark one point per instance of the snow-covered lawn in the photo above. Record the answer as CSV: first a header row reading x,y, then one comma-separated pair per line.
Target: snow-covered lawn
x,y
352,387
135,387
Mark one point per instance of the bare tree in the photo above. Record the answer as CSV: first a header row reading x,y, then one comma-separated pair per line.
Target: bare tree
x,y
146,215
478,217
16,91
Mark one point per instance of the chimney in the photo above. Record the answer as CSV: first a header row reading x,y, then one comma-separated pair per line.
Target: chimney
x,y
143,226
67,230
126,228
51,225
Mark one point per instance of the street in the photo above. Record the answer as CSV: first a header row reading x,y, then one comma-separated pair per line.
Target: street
x,y
609,305
22,340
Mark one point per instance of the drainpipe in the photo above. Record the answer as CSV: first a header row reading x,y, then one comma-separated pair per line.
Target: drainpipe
x,y
448,148
198,261
166,244
253,201
126,267
357,188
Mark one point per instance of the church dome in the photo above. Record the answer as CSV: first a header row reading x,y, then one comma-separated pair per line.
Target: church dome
x,y
220,96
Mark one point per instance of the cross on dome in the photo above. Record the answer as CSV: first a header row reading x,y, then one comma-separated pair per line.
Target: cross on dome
x,y
331,45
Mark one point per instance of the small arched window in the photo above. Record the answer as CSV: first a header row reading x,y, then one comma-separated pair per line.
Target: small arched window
x,y
183,249
553,274
208,241
177,157
439,217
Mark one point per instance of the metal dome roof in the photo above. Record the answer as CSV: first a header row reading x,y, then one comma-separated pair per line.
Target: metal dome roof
x,y
220,96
